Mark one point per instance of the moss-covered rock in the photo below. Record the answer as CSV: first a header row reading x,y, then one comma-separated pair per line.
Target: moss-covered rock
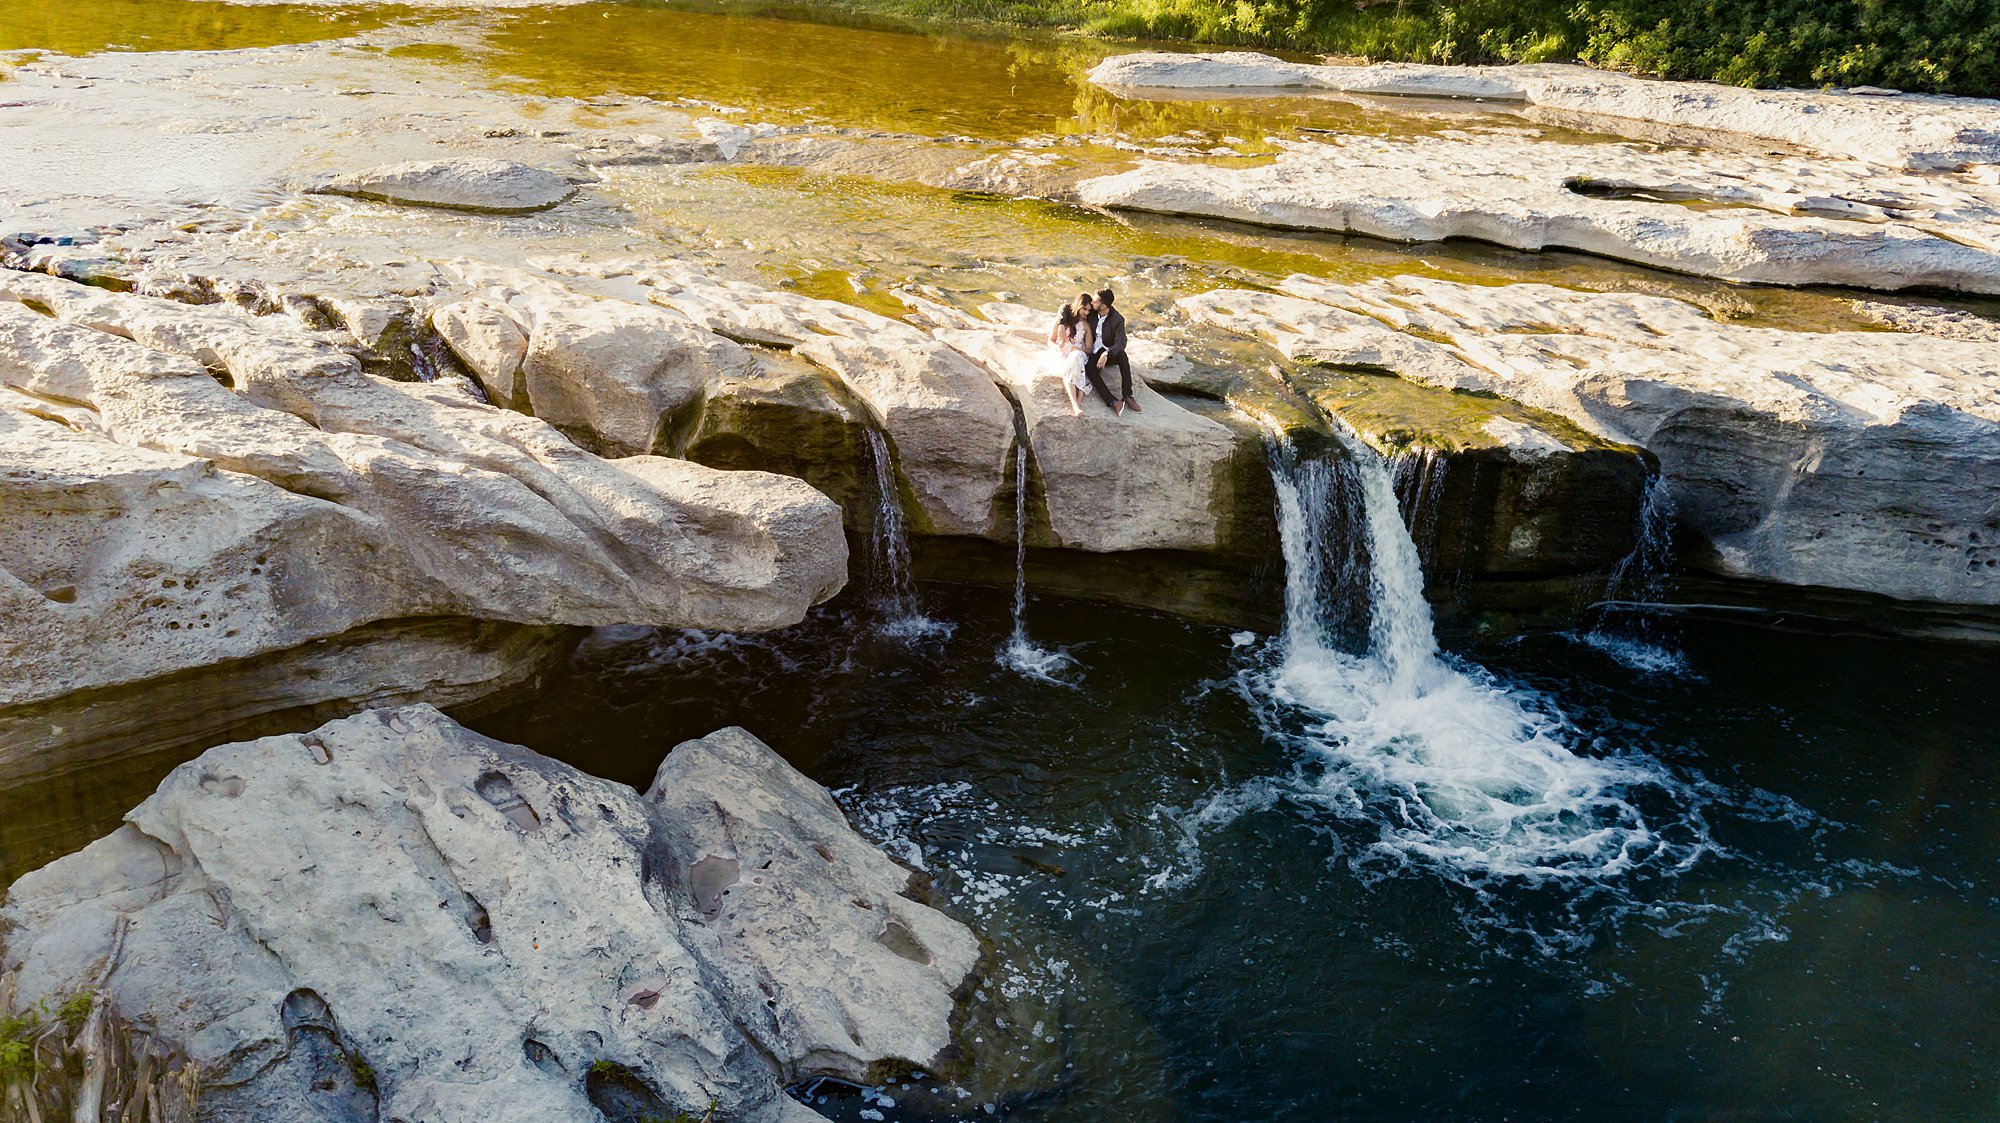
x,y
1492,489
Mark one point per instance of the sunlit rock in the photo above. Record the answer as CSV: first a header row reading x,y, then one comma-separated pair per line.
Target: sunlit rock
x,y
466,183
791,417
394,917
158,522
951,428
611,373
1920,132
1145,480
491,343
1789,221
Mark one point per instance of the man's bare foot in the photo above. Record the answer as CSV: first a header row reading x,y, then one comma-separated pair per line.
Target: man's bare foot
x,y
1134,403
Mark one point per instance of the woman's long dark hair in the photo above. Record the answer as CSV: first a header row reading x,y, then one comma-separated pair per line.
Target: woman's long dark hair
x,y
1068,317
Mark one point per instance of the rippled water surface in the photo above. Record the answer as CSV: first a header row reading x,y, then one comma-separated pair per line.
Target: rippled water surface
x,y
77,27
1216,941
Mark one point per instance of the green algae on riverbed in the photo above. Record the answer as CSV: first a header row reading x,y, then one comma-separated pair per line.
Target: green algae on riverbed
x,y
874,76
81,27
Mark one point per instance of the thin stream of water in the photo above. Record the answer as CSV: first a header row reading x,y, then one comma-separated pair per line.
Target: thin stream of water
x,y
894,595
1021,654
1628,628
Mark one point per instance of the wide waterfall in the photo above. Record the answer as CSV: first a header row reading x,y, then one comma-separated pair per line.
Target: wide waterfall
x,y
1454,766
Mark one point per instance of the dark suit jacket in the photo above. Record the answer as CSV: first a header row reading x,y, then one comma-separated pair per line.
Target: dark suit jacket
x,y
1112,332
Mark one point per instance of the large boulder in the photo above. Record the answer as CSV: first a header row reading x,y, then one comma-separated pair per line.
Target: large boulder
x,y
162,522
951,431
392,917
465,183
1865,461
791,417
491,343
611,374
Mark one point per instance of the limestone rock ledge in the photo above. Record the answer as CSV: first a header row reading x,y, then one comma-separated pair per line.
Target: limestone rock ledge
x,y
1772,220
183,487
1864,461
393,917
1905,130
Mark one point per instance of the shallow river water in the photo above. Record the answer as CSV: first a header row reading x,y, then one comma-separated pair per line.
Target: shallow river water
x,y
1324,874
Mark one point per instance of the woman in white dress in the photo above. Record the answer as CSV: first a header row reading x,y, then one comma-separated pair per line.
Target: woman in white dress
x,y
1069,350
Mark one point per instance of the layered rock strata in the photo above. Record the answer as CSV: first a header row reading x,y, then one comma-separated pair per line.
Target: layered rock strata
x,y
392,917
1790,221
951,428
186,487
1865,461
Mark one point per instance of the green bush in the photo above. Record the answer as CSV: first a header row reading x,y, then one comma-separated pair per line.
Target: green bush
x,y
1950,46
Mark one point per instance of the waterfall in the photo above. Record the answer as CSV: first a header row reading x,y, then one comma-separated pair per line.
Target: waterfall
x,y
1628,630
1451,766
894,595
1020,653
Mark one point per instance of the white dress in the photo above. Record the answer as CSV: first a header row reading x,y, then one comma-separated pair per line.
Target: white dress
x,y
1067,359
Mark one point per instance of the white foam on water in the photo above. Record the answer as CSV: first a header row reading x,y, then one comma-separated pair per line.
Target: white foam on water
x,y
1635,654
1212,814
1022,656
1454,768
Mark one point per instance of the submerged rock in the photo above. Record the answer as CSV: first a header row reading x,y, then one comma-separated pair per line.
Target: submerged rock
x,y
1866,461
162,522
465,183
393,917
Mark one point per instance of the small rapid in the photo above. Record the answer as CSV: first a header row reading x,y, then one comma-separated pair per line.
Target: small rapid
x,y
1454,768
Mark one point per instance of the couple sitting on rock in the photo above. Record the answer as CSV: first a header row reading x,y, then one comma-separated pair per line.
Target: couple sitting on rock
x,y
1088,339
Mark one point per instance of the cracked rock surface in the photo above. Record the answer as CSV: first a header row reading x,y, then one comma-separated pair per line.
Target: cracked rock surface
x,y
181,487
295,910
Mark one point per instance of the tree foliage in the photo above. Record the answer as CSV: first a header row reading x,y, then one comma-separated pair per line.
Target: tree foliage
x,y
1946,46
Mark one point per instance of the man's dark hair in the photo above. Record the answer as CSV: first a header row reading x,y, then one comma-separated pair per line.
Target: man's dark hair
x,y
1104,295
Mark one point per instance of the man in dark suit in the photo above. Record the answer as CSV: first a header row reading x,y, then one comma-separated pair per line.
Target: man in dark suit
x,y
1108,350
